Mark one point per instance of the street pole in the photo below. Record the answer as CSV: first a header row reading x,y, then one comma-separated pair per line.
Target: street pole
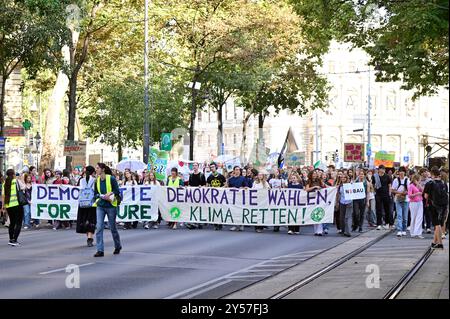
x,y
146,98
317,137
369,145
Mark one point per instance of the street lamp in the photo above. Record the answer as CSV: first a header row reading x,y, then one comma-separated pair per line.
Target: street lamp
x,y
37,141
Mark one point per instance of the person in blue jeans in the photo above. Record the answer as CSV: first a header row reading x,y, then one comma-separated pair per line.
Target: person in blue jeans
x,y
400,190
27,208
107,194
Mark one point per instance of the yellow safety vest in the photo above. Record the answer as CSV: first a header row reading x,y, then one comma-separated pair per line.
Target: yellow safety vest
x,y
175,183
13,202
108,190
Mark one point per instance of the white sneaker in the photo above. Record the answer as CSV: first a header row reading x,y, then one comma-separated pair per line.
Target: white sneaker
x,y
399,234
155,226
146,226
408,228
25,227
379,227
420,237
297,233
428,231
325,231
290,232
403,233
233,228
444,236
54,228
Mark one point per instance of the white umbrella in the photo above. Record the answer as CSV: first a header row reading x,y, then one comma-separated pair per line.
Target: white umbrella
x,y
132,165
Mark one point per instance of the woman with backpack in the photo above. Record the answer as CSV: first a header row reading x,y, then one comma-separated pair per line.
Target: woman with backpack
x,y
86,217
401,200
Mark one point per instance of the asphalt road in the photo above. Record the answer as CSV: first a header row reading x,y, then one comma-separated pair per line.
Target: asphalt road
x,y
159,263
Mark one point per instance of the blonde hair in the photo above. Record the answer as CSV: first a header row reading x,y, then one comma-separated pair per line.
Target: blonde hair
x,y
416,178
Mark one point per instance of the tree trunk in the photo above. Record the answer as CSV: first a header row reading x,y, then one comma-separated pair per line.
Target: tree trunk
x,y
244,136
72,115
261,119
2,117
193,115
53,118
219,130
119,146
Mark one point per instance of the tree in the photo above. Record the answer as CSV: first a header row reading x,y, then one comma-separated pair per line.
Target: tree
x,y
27,29
406,40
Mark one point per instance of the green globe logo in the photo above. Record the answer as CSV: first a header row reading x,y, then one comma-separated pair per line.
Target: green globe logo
x,y
317,214
175,212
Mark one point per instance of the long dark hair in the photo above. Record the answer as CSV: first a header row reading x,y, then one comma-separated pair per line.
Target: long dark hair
x,y
10,175
89,171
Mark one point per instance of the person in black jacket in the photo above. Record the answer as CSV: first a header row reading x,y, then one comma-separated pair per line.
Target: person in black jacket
x,y
196,179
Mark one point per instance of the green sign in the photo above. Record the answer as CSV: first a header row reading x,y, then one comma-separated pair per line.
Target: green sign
x,y
27,125
166,141
158,162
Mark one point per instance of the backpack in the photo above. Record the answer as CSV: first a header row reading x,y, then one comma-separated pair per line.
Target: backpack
x,y
402,198
87,196
439,194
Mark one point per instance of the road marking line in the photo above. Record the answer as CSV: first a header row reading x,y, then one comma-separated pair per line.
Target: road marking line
x,y
62,269
249,276
206,289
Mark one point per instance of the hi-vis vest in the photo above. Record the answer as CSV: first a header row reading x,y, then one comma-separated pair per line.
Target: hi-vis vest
x,y
174,183
108,190
13,202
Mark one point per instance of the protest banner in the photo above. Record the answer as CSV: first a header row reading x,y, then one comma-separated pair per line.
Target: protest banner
x,y
354,152
384,158
158,162
295,159
250,207
354,191
61,202
74,148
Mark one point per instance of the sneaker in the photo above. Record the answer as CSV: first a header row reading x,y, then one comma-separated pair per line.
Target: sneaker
x,y
392,227
408,228
420,237
190,226
36,225
347,235
386,227
233,228
241,228
325,231
90,242
174,226
379,227
360,230
433,245
297,233
399,234
99,254
403,233
444,236
339,231
26,227
290,232
117,251
319,234
54,228
257,230
428,231
146,226
155,226
439,246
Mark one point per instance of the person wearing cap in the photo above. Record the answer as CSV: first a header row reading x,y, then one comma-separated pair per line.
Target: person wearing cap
x,y
383,184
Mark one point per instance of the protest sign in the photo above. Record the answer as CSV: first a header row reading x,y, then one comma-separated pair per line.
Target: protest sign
x,y
354,152
383,158
61,202
272,207
158,162
354,191
75,148
295,158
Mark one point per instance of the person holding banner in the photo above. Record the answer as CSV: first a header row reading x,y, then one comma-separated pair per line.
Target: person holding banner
x,y
260,183
106,194
150,179
314,184
359,205
174,181
129,180
237,181
12,206
87,214
294,182
215,180
345,208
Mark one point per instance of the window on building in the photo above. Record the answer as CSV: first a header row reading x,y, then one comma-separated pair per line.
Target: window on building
x,y
235,113
234,139
199,116
331,67
200,140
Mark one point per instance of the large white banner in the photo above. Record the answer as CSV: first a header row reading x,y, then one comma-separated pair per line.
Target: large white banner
x,y
60,202
354,191
271,207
